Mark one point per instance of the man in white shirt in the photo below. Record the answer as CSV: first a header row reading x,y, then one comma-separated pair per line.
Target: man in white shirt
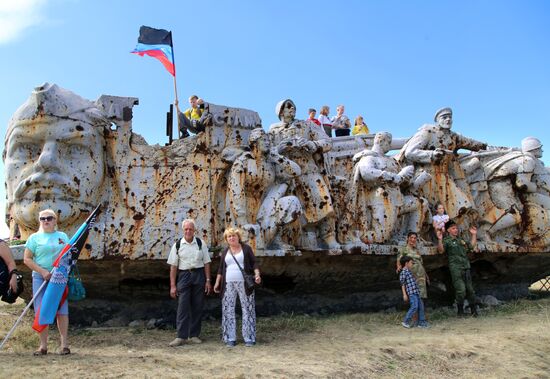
x,y
341,123
189,280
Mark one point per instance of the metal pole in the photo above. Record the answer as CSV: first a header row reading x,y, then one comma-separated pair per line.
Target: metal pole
x,y
22,315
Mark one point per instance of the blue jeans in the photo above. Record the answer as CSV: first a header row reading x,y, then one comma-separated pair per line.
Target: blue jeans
x,y
417,305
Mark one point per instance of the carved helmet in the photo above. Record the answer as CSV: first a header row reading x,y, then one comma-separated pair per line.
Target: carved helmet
x,y
50,100
279,107
530,144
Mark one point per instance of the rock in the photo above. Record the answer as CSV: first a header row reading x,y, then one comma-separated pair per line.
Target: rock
x,y
151,324
116,322
136,324
94,324
490,300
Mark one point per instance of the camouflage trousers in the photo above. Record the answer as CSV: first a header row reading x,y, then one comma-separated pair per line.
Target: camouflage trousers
x,y
462,283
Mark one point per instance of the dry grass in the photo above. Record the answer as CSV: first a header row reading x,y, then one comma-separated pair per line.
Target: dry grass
x,y
511,341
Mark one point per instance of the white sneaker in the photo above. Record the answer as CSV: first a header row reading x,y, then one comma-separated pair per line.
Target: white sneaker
x,y
195,340
177,342
405,325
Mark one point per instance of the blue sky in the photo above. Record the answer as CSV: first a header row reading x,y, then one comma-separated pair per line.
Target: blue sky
x,y
394,62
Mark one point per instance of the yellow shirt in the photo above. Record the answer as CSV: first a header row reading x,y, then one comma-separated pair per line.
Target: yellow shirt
x,y
193,113
360,129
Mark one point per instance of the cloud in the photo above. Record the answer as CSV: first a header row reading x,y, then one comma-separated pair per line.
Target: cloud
x,y
18,15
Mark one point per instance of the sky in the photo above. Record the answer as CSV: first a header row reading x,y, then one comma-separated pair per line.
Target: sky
x,y
394,62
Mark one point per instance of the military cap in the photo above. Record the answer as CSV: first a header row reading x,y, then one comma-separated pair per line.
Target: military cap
x,y
445,110
449,223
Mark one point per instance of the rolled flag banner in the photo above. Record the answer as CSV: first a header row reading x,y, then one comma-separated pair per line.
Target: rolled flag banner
x,y
156,43
56,290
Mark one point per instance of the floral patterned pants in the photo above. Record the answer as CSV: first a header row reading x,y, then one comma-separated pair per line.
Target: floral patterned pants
x,y
229,321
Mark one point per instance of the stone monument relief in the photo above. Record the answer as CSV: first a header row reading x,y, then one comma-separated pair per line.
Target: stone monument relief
x,y
290,187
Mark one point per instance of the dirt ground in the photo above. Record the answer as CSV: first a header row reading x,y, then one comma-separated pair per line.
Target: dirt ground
x,y
508,341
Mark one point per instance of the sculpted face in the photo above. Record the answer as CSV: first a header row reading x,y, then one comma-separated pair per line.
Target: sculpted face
x,y
445,120
288,113
53,163
383,140
259,138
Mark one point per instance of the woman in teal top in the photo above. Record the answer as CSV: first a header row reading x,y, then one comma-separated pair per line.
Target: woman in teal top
x,y
42,248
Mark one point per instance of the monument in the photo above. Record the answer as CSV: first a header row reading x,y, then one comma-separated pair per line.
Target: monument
x,y
320,212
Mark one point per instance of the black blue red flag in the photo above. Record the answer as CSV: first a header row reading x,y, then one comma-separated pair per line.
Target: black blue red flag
x,y
156,43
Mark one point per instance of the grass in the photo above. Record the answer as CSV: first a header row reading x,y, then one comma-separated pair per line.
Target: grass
x,y
509,340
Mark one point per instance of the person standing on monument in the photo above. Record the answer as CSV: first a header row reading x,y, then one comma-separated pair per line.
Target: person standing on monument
x,y
457,251
360,127
341,123
312,112
324,120
189,281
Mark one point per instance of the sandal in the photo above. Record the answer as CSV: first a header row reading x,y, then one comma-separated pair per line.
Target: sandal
x,y
40,352
65,351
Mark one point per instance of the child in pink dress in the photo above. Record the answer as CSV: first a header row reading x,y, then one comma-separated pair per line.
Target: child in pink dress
x,y
440,218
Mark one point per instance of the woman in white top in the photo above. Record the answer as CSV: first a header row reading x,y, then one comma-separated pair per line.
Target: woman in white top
x,y
238,257
325,120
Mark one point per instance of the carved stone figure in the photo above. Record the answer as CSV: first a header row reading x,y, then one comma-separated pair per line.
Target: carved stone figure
x,y
258,182
433,150
54,156
376,197
516,197
305,142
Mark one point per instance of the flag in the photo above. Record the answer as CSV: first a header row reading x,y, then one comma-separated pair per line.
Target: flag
x,y
56,290
156,43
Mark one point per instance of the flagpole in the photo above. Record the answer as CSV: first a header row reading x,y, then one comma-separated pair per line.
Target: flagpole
x,y
174,62
175,84
22,314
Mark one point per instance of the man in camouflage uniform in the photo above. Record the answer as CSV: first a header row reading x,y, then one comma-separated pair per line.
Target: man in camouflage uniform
x,y
459,265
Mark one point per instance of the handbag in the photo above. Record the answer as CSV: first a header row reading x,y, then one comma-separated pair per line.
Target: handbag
x,y
77,291
249,279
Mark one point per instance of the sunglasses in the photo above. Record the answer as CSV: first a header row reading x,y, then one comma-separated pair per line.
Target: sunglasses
x,y
47,218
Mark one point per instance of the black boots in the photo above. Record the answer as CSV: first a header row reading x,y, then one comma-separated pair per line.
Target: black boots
x,y
473,308
460,309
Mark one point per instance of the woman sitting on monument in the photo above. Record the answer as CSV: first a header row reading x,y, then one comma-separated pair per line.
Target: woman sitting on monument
x,y
42,248
238,259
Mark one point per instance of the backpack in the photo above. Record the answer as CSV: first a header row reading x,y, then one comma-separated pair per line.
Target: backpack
x,y
178,243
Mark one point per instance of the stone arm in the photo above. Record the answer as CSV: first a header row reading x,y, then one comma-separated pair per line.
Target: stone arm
x,y
469,143
371,174
236,189
524,182
285,169
473,238
415,149
319,138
